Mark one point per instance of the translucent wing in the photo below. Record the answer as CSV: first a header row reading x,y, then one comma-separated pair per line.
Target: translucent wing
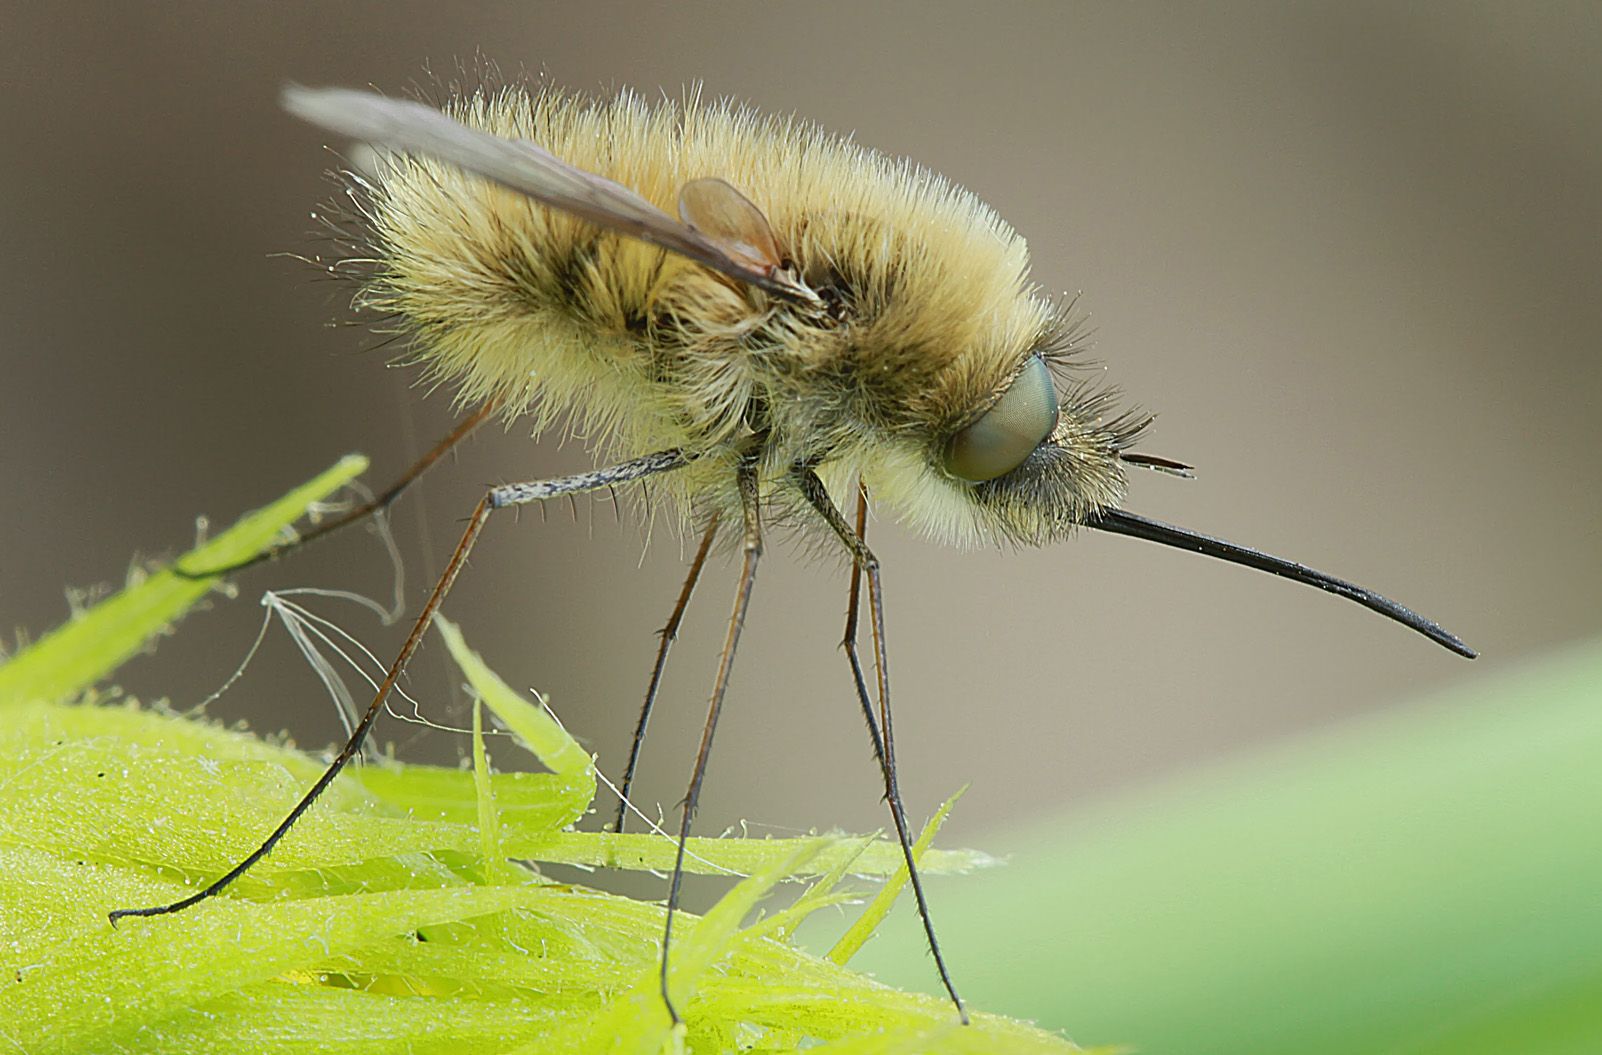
x,y
527,168
714,208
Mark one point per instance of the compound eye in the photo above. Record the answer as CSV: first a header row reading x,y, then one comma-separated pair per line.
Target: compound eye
x,y
998,443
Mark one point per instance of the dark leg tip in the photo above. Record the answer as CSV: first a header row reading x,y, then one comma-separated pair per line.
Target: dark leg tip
x,y
120,913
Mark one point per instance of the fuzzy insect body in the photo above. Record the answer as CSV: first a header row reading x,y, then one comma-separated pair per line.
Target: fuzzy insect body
x,y
924,313
757,313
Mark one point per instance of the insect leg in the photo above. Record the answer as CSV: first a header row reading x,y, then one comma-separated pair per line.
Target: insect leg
x,y
849,640
376,504
747,480
668,634
862,557
496,498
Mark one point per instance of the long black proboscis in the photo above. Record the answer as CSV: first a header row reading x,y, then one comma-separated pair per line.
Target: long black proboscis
x,y
1118,522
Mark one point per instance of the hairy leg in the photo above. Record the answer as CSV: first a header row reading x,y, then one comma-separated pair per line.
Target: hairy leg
x,y
752,551
377,504
668,635
864,561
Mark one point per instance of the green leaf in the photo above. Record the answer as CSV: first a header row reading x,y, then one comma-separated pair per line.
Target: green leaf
x,y
390,918
80,652
539,732
862,928
707,856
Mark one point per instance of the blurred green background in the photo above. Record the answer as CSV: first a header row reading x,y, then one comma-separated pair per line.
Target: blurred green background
x,y
1348,252
1423,881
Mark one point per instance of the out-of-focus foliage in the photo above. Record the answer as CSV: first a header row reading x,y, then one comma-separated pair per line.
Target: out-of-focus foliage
x,y
1425,881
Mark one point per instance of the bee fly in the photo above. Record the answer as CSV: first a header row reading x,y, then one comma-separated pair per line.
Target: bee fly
x,y
777,317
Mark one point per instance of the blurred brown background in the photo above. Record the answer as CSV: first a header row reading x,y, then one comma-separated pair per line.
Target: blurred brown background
x,y
1349,252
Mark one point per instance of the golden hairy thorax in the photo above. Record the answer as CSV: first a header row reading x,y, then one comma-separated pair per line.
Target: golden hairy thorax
x,y
930,312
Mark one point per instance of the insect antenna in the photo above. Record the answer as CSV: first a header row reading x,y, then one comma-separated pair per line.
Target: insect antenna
x,y
495,498
1118,522
752,549
881,730
668,634
1159,463
374,505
